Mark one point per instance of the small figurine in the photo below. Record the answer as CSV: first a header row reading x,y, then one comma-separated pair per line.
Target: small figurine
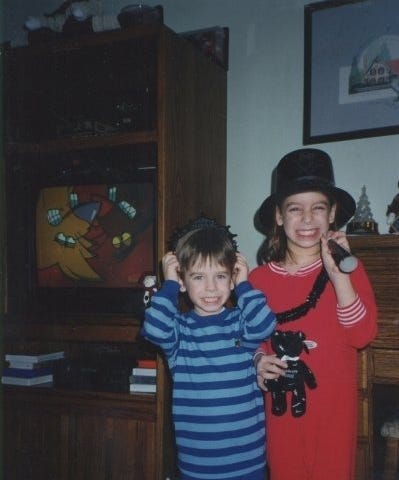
x,y
71,17
149,282
393,214
363,221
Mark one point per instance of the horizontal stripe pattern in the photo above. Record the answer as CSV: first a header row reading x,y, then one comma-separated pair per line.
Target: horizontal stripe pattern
x,y
352,314
218,409
301,272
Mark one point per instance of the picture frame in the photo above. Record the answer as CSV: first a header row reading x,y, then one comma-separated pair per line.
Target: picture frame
x,y
351,70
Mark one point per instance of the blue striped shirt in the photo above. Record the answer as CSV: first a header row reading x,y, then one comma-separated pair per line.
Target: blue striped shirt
x,y
218,409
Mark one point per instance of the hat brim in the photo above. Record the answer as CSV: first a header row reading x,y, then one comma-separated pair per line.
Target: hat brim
x,y
346,205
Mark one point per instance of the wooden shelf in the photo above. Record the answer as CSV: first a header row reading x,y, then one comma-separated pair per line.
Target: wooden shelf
x,y
68,42
140,407
96,332
83,142
365,242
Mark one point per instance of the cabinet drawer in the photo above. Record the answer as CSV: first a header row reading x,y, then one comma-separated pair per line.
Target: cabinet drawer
x,y
386,364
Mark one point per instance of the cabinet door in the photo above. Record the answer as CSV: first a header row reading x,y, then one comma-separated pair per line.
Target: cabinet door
x,y
98,87
112,448
362,460
364,450
35,442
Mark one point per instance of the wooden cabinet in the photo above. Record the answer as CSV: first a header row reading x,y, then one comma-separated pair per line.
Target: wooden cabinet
x,y
379,363
79,435
146,98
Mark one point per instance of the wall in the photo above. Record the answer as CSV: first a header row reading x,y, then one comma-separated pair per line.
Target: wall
x,y
265,102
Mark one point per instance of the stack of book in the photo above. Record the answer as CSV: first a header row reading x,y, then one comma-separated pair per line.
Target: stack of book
x,y
30,369
144,377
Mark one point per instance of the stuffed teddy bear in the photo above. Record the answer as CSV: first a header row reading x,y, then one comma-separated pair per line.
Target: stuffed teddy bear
x,y
149,282
288,346
70,17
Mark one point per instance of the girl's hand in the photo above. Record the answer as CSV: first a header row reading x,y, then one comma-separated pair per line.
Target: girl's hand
x,y
341,282
241,269
269,367
328,261
170,267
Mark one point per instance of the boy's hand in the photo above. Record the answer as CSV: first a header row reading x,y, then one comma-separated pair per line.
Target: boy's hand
x,y
170,267
240,272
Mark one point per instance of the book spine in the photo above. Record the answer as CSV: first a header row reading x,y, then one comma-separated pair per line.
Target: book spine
x,y
26,373
143,388
147,363
147,372
32,365
34,358
26,381
24,365
143,379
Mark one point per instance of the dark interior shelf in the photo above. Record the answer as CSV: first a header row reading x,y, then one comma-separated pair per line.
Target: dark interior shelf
x,y
99,330
78,143
140,406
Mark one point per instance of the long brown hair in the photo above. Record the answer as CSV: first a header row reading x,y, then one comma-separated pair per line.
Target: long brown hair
x,y
274,248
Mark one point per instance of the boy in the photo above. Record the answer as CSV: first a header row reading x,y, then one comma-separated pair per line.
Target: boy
x,y
218,410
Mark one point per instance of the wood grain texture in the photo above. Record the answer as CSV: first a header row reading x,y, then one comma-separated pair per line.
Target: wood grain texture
x,y
72,435
378,363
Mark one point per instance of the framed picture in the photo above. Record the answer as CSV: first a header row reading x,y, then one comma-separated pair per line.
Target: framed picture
x,y
351,84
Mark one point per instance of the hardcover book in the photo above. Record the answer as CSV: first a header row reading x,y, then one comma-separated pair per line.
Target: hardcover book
x,y
27,382
32,365
147,372
143,379
26,373
34,358
142,388
147,363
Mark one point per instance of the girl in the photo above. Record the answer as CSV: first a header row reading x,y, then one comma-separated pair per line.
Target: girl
x,y
335,311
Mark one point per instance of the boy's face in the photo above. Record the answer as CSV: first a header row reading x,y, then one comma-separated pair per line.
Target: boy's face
x,y
208,285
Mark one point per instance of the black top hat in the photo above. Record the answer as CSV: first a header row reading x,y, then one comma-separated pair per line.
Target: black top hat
x,y
305,170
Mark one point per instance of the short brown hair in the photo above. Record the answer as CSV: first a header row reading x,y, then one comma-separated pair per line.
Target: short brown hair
x,y
206,243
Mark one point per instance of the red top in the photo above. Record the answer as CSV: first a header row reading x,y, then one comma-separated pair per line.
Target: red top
x,y
322,443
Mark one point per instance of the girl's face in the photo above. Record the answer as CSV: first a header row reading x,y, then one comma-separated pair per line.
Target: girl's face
x,y
305,217
208,285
